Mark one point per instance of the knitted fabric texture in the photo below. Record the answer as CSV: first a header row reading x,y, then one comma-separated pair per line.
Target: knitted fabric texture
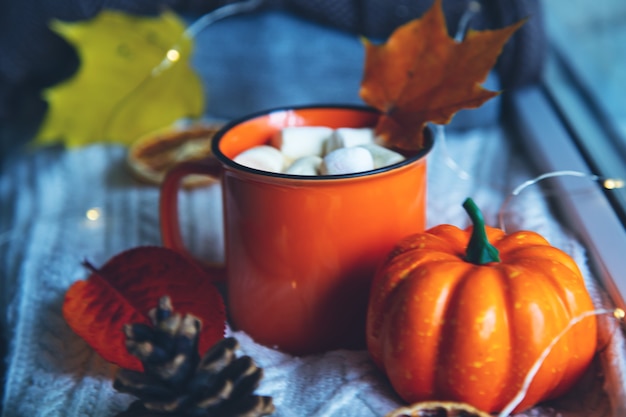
x,y
45,236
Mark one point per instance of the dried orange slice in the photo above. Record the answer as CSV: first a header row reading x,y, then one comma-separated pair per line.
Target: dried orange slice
x,y
151,156
438,409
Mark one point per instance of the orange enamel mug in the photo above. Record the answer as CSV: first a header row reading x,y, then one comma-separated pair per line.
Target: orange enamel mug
x,y
300,251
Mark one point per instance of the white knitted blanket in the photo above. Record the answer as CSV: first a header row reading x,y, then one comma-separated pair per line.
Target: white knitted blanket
x,y
44,236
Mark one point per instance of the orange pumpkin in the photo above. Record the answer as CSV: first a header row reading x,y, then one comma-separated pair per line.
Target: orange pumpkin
x,y
462,315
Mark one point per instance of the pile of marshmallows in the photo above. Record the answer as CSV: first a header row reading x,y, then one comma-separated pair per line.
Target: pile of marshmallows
x,y
319,150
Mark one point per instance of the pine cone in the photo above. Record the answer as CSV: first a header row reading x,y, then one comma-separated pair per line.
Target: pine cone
x,y
177,382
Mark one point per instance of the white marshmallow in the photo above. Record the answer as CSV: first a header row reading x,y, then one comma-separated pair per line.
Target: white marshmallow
x,y
296,142
382,156
307,165
347,161
346,137
264,158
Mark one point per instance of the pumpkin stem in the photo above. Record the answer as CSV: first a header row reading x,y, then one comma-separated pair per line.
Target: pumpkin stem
x,y
479,251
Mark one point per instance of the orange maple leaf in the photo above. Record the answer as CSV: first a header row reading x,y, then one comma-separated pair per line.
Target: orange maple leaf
x,y
422,75
127,287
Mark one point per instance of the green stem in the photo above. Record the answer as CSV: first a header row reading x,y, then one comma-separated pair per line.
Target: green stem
x,y
479,251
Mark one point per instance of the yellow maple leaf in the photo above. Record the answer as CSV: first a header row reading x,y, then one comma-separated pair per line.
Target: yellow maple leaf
x,y
125,86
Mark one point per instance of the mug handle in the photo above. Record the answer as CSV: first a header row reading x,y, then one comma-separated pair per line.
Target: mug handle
x,y
168,208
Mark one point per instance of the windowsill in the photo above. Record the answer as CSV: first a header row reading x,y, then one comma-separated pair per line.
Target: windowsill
x,y
585,208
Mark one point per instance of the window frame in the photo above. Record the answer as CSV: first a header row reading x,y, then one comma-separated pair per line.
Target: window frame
x,y
550,142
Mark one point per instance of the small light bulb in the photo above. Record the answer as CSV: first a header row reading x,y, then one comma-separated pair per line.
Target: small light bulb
x,y
619,314
613,183
173,55
474,7
93,214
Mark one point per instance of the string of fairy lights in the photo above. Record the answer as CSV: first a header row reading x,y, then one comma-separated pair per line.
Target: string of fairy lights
x,y
617,313
94,215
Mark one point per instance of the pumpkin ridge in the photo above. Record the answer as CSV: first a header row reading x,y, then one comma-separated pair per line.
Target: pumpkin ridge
x,y
450,237
558,316
562,280
523,238
432,240
511,387
425,327
474,332
384,286
517,372
570,291
547,252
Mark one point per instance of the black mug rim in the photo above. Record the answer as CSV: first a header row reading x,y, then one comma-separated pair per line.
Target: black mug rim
x,y
215,149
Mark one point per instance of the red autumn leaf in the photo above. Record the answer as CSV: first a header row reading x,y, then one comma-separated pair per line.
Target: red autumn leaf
x,y
128,286
422,75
